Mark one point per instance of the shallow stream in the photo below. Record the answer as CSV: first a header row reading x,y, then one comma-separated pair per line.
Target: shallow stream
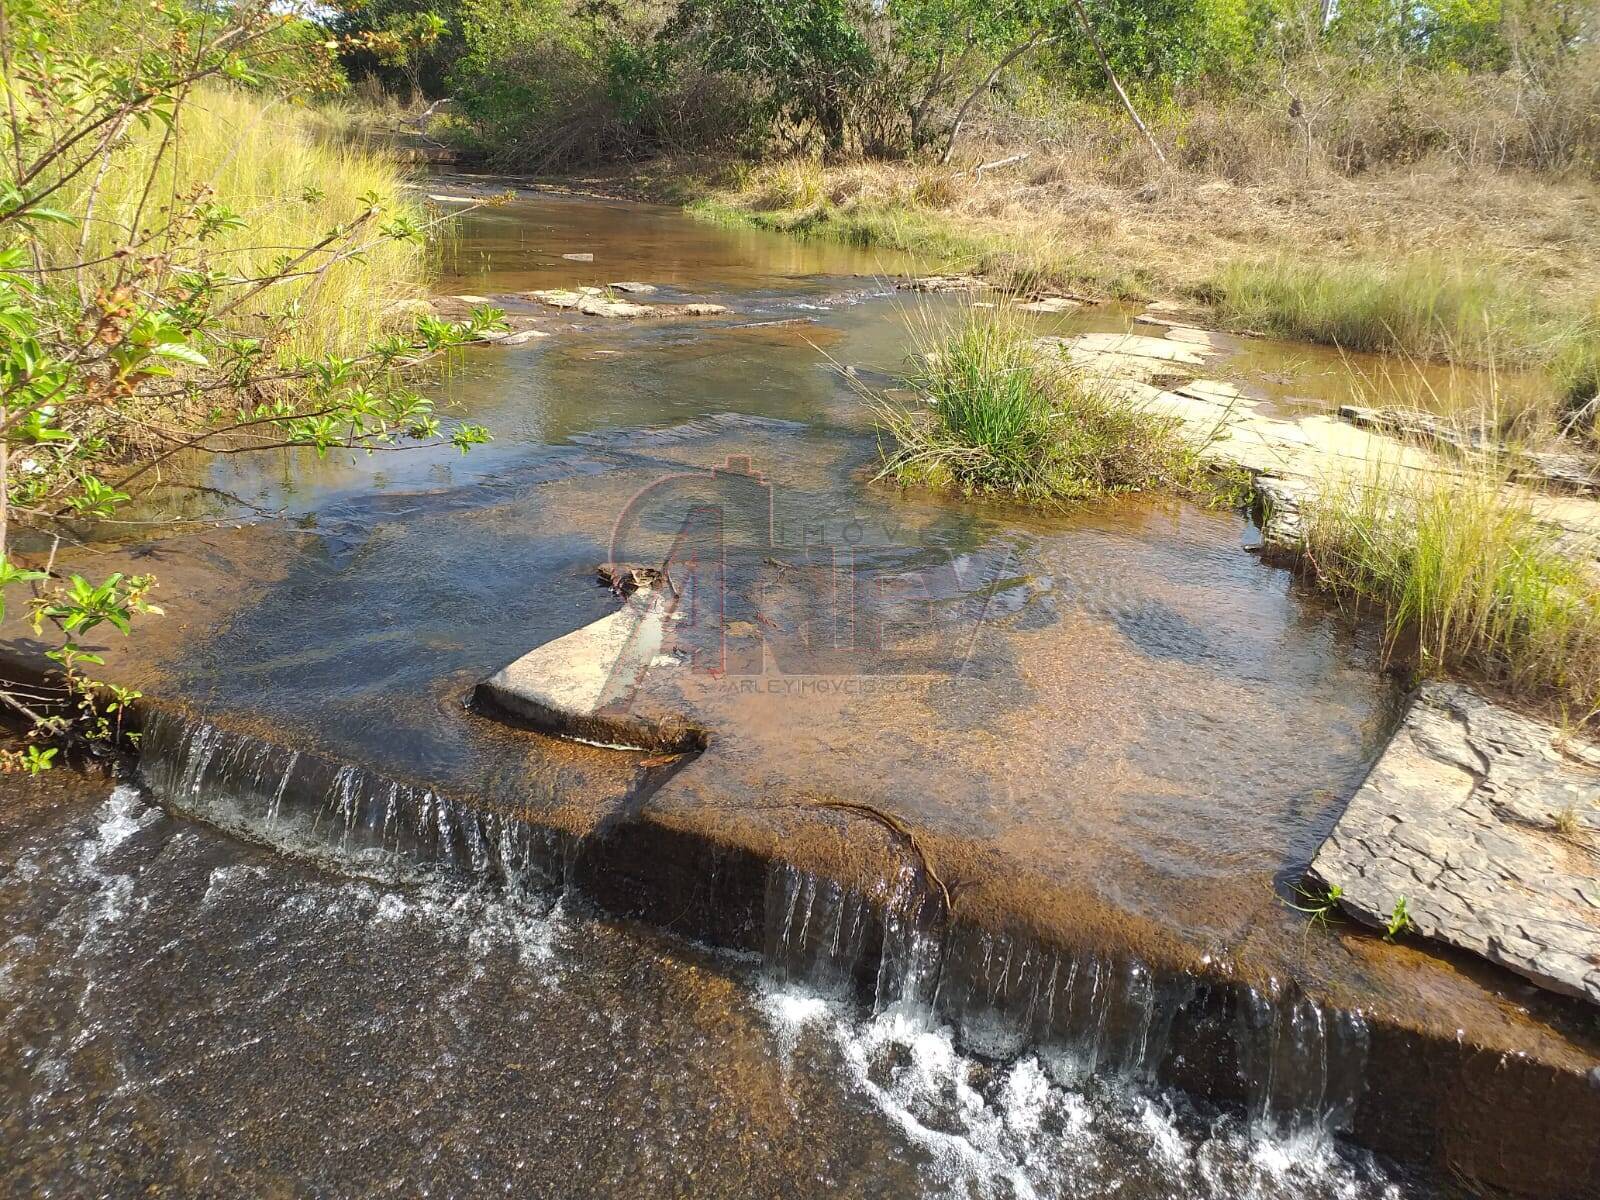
x,y
252,991
184,1011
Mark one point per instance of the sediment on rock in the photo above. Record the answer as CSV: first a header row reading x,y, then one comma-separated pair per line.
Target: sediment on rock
x,y
602,302
1554,469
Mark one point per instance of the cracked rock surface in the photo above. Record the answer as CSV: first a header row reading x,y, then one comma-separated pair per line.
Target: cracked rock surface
x,y
1488,823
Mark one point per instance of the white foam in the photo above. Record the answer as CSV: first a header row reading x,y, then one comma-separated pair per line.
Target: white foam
x,y
1018,1130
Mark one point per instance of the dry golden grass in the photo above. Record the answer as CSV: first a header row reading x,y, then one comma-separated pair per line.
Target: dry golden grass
x,y
1510,261
289,182
1169,229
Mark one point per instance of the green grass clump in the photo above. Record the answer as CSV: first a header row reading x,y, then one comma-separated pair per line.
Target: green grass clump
x,y
999,417
1468,579
1423,307
1575,369
936,241
290,182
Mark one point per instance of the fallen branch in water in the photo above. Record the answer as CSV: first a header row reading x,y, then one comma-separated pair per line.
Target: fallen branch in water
x,y
899,827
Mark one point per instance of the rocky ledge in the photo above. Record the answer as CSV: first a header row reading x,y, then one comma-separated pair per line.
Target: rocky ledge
x,y
1486,824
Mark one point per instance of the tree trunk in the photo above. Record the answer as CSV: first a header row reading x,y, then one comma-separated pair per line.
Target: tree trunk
x,y
994,73
1105,65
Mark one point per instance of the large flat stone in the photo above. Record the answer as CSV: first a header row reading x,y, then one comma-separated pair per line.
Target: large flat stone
x,y
583,684
1487,822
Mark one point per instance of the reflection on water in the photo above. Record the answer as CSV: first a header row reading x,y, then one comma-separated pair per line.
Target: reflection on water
x,y
1145,710
1151,714
519,246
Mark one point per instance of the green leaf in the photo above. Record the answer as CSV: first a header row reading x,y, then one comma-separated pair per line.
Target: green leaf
x,y
181,352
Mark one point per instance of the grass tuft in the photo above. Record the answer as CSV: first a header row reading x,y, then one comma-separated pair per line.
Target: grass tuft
x,y
998,417
1467,577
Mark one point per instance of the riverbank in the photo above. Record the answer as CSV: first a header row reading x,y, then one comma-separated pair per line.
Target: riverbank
x,y
1467,266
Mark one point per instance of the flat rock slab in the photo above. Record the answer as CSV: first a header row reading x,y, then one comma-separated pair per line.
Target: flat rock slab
x,y
1196,337
1173,313
510,337
1560,469
601,302
1121,357
941,283
582,684
1051,304
1137,345
593,302
1488,824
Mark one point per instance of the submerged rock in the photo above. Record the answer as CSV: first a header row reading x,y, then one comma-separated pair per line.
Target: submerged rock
x,y
1486,825
1051,304
633,288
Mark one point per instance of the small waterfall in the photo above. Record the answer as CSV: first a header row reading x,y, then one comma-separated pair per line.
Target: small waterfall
x,y
1105,1016
819,933
1086,1014
1304,1066
301,801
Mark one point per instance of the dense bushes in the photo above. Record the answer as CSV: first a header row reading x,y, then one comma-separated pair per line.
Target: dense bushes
x,y
1366,83
544,89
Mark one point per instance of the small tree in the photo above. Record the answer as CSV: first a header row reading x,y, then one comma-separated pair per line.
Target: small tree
x,y
403,41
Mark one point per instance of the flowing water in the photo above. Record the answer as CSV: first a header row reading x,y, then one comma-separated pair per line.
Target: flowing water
x,y
264,1011
269,970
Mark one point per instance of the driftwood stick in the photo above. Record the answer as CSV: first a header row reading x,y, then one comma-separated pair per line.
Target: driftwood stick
x,y
998,163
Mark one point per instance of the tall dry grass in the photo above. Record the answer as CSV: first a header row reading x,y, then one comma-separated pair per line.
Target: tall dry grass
x,y
1467,577
268,162
1429,306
